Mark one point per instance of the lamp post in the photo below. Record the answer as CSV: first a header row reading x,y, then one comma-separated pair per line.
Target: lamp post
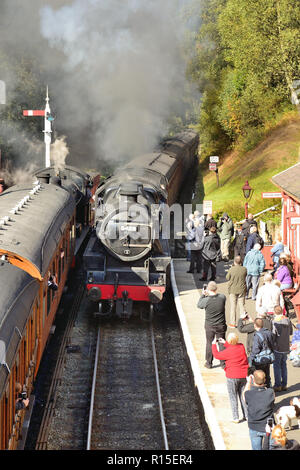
x,y
247,191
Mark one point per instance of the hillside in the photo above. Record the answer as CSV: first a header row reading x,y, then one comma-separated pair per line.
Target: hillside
x,y
279,150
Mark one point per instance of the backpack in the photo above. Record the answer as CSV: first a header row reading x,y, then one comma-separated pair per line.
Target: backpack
x,y
266,356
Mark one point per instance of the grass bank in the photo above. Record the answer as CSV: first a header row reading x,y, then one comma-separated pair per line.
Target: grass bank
x,y
279,150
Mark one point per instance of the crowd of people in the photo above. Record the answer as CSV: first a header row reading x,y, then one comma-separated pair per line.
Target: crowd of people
x,y
209,241
247,370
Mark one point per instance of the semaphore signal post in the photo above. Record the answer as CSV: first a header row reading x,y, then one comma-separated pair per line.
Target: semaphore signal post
x,y
48,118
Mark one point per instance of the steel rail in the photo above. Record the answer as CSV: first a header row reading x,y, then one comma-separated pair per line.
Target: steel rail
x,y
162,418
41,443
88,446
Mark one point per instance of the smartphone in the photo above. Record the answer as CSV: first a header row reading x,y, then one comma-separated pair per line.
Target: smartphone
x,y
270,422
204,286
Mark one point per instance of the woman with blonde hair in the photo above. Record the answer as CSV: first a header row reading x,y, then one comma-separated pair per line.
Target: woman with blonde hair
x,y
236,369
279,440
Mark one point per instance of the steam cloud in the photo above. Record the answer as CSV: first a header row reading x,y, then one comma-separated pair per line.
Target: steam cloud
x,y
127,55
115,69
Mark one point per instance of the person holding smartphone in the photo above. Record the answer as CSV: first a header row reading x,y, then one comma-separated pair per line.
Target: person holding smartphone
x,y
236,368
215,322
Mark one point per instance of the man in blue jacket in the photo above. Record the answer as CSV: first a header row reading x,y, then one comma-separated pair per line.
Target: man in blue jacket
x,y
255,263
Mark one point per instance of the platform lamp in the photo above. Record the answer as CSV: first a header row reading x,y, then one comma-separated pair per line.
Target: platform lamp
x,y
247,191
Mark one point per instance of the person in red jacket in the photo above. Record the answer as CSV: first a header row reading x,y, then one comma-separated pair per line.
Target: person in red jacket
x,y
236,369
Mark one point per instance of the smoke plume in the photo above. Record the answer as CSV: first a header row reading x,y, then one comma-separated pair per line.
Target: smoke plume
x,y
125,68
59,152
115,69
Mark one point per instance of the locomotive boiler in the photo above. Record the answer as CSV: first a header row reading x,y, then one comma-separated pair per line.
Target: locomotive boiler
x,y
128,258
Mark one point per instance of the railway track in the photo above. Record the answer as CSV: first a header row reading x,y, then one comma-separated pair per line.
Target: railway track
x,y
142,396
126,406
57,374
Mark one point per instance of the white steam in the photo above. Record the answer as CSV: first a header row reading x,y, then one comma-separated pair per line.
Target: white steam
x,y
123,70
59,152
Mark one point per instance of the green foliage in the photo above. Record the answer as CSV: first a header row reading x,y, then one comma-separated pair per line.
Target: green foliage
x,y
23,91
246,58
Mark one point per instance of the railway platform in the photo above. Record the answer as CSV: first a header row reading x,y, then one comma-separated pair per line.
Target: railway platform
x,y
211,383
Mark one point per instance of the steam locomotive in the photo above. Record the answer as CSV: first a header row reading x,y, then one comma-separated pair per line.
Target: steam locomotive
x,y
127,258
38,242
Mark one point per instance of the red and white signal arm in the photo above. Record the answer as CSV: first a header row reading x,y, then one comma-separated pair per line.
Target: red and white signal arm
x,y
271,195
34,112
212,166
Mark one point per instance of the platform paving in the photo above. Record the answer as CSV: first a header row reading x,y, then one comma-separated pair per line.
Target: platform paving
x,y
211,383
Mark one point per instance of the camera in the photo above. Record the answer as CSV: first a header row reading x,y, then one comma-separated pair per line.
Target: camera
x,y
204,286
23,395
270,422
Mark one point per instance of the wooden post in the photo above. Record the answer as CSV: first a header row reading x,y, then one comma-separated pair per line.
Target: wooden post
x,y
217,175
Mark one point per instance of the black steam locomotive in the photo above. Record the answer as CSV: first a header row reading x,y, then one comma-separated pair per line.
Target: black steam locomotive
x,y
127,258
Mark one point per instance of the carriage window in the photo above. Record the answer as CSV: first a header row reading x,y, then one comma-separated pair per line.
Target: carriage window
x,y
66,246
62,255
44,304
53,272
48,301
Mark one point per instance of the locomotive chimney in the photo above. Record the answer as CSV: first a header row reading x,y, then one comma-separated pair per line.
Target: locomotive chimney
x,y
130,191
44,178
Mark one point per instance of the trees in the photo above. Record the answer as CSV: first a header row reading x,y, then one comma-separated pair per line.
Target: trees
x,y
249,54
206,68
18,135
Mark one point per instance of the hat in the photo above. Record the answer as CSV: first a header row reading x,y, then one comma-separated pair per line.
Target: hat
x,y
225,214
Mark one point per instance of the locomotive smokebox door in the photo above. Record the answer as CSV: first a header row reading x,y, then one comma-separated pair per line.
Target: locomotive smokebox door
x,y
124,306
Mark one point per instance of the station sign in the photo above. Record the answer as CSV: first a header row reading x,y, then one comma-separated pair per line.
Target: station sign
x,y
207,207
212,166
214,159
34,112
271,195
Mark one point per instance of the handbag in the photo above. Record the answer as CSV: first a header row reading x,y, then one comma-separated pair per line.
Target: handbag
x,y
266,356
